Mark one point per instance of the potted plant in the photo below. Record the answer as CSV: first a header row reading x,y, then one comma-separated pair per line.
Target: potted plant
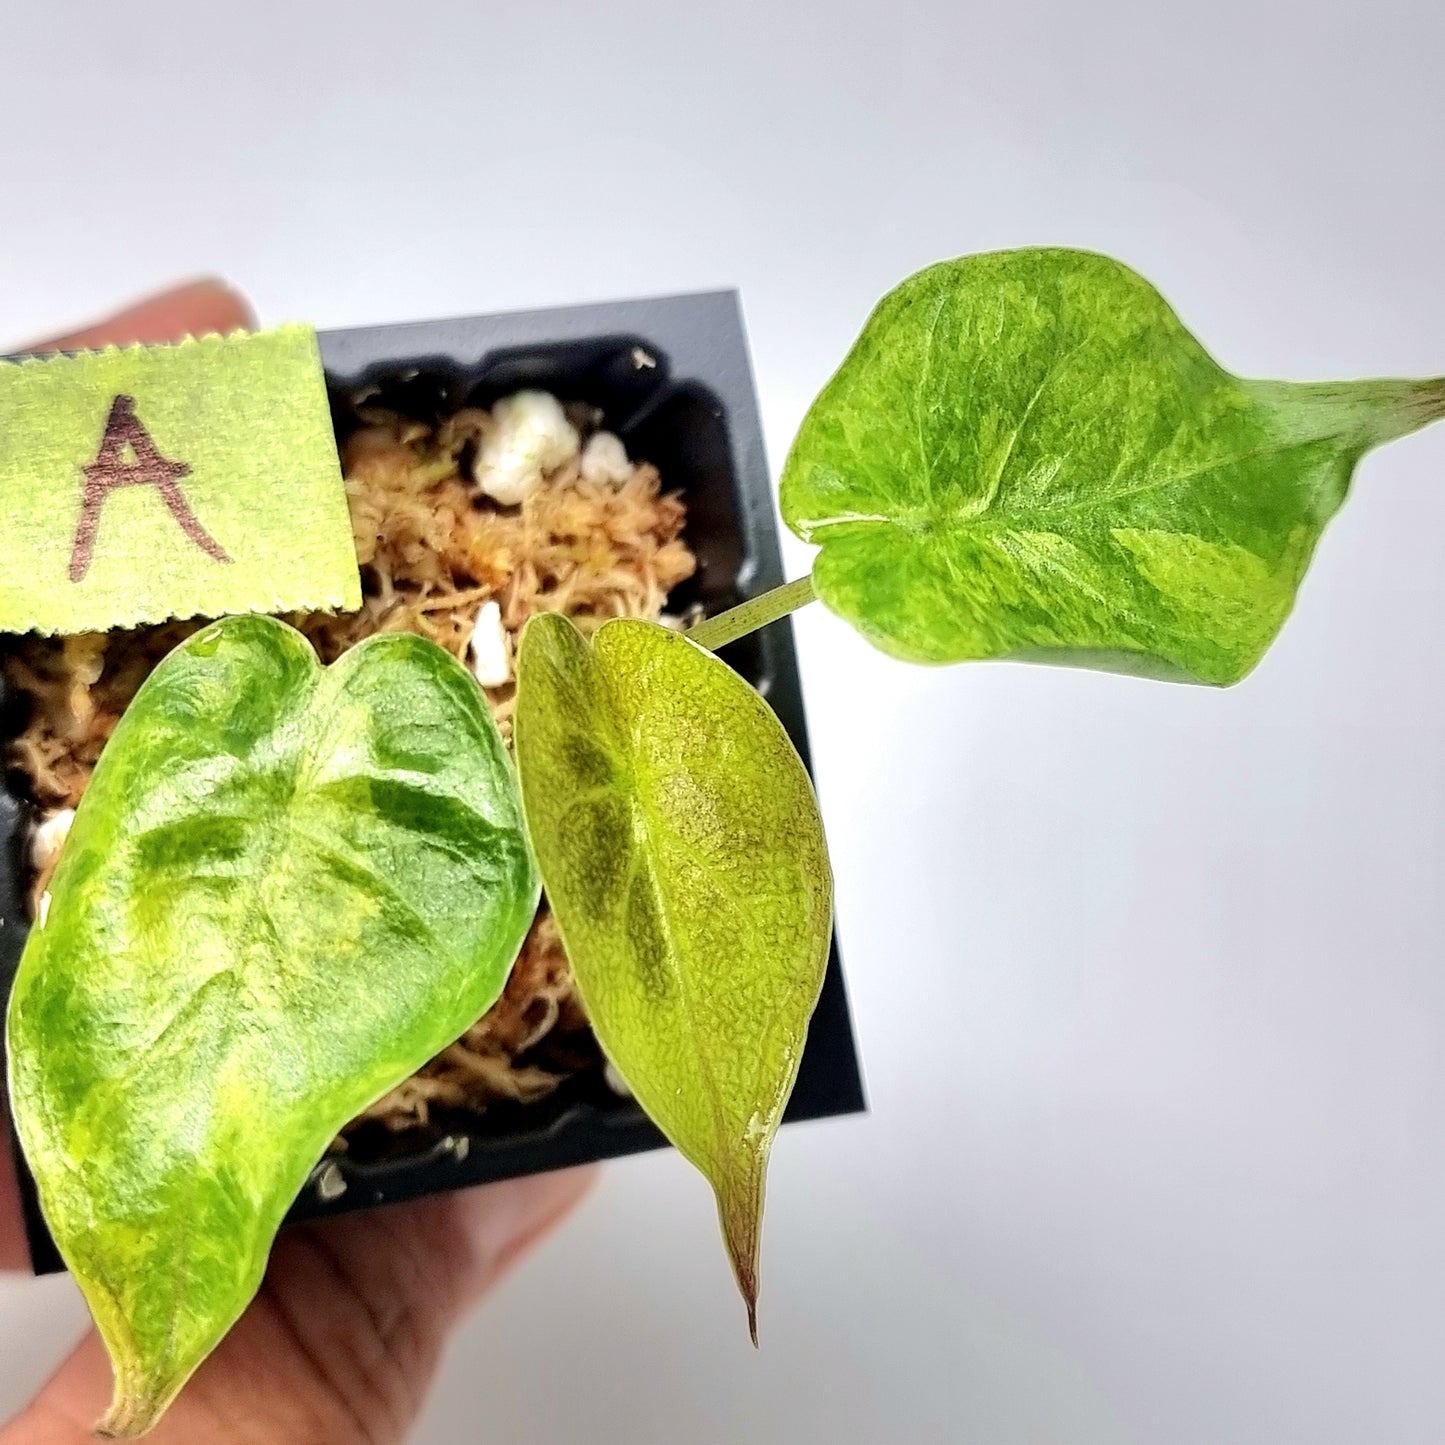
x,y
288,886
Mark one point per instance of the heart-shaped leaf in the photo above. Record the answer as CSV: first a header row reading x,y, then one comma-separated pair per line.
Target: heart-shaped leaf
x,y
682,853
1026,455
285,889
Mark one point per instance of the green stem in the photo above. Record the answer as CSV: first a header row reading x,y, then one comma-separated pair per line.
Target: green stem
x,y
748,616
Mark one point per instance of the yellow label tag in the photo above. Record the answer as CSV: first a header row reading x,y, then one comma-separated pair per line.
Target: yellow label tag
x,y
199,479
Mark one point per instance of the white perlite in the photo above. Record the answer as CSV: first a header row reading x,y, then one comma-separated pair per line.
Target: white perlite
x,y
530,436
490,649
604,459
48,837
330,1182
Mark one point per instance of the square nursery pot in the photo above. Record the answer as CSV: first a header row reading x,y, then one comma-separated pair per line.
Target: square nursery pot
x,y
673,379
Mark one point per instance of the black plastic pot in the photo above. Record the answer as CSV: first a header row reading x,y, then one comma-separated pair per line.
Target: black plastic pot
x,y
673,379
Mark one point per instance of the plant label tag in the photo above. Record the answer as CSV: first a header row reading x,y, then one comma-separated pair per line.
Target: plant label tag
x,y
193,480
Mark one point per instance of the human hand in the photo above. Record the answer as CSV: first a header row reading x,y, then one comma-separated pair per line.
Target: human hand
x,y
343,1339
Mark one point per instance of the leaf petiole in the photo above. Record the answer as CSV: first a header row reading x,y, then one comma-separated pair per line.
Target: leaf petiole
x,y
715,632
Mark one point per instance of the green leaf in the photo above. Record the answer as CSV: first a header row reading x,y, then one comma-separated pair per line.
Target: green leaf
x,y
683,856
285,889
1026,455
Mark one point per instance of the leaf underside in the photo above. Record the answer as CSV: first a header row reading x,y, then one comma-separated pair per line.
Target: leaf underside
x,y
683,856
285,889
1026,455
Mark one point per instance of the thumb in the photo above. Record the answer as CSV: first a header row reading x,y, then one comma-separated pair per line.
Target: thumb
x,y
192,309
341,1343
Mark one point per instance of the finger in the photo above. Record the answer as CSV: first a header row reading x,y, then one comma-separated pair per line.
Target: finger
x,y
14,1253
344,1338
194,309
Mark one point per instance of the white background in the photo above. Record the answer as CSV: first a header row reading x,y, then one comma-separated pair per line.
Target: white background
x,y
1147,978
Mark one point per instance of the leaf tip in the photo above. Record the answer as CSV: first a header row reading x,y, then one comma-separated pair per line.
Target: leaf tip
x,y
128,1419
747,1277
741,1212
136,1406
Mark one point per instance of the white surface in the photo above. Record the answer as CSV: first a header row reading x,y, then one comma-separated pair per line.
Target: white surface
x,y
1148,978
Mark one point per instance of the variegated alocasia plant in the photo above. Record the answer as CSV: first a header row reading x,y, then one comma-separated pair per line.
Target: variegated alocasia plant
x,y
286,886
